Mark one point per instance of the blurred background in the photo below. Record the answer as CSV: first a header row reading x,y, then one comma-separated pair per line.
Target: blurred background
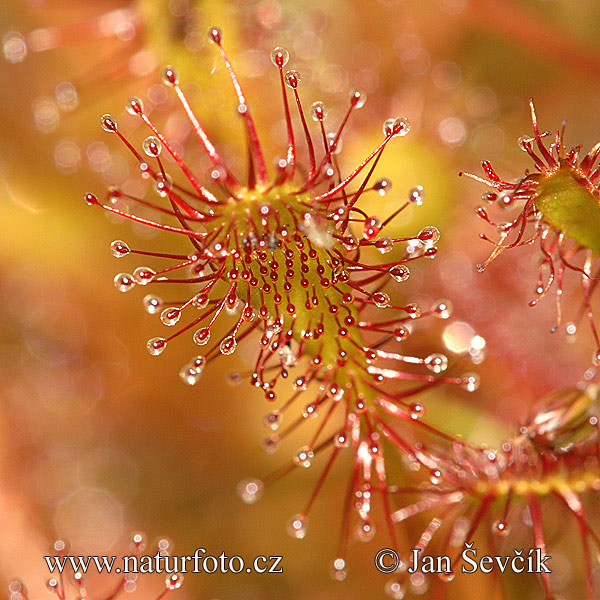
x,y
97,438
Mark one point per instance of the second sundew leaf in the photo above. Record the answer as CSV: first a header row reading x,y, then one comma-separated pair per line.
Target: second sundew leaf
x,y
560,212
568,205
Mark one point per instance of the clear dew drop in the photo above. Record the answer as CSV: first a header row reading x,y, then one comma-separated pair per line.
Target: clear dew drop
x,y
152,146
416,195
442,309
395,589
152,304
365,531
170,76
435,476
280,56
138,542
396,127
191,372
381,300
350,243
310,410
228,345
371,228
170,316
156,345
134,106
430,235
124,282
90,199
201,336
303,457
296,526
174,582
232,309
470,382
200,301
109,123
414,310
119,249
382,186
273,420
318,111
571,330
338,570
144,275
162,184
197,269
292,79
250,490
416,410
436,362
342,440
215,35
357,98
384,244
248,314
401,333
500,528
400,273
